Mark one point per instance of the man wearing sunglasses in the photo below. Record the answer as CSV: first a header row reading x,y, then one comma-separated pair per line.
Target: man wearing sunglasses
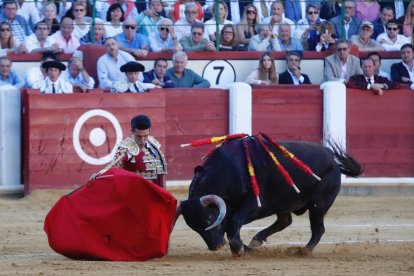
x,y
183,25
341,65
164,38
196,42
130,41
391,40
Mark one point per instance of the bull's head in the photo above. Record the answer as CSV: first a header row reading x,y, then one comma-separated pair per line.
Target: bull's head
x,y
204,215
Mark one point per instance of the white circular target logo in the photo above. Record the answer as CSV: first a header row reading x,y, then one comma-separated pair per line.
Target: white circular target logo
x,y
97,136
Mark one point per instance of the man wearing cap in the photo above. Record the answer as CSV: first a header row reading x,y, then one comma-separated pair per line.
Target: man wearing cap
x,y
52,83
293,75
368,81
140,153
364,41
133,84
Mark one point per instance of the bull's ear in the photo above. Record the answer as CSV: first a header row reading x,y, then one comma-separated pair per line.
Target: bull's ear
x,y
198,169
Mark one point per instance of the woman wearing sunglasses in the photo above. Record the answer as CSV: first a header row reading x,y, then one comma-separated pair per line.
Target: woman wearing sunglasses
x,y
308,28
248,24
8,42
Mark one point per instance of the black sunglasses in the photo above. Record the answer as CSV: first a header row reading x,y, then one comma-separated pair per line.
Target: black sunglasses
x,y
342,49
392,29
165,29
130,27
312,12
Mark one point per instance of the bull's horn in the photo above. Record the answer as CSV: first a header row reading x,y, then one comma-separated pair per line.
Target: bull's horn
x,y
219,202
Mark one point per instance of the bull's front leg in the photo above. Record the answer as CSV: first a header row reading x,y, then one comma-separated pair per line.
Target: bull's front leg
x,y
233,232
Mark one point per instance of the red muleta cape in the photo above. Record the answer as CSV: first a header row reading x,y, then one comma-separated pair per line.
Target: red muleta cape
x,y
120,216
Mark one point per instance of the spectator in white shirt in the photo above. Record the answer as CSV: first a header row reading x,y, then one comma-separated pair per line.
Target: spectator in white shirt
x,y
391,40
28,10
109,64
53,84
278,17
182,26
36,75
114,19
40,41
211,24
164,39
77,75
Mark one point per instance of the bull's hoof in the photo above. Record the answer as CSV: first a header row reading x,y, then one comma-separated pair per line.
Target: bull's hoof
x,y
255,243
237,249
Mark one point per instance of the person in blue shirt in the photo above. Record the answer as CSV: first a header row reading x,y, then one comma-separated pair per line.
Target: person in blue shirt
x,y
132,42
9,76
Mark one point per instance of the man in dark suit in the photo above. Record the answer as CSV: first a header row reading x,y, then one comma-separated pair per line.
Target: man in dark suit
x,y
293,75
158,75
380,24
400,72
369,81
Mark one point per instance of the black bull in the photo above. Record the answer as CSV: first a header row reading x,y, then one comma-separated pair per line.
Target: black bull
x,y
224,181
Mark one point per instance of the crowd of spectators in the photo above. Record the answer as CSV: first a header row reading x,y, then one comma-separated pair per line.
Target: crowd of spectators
x,y
130,30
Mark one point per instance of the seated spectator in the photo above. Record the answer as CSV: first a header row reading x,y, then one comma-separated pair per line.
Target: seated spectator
x,y
278,17
132,83
266,72
148,19
183,77
182,27
403,72
309,28
330,8
180,8
377,60
28,10
234,9
62,8
64,37
210,25
114,19
53,84
286,41
128,6
77,75
324,40
294,11
391,40
264,8
164,38
369,81
228,40
248,25
380,24
265,40
8,43
40,41
108,65
196,42
8,75
50,17
158,75
351,23
99,34
19,25
132,42
81,23
341,65
71,13
36,75
367,10
364,41
293,75
408,20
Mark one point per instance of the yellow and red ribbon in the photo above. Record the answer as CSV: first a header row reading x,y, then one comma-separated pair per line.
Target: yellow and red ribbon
x,y
253,180
213,140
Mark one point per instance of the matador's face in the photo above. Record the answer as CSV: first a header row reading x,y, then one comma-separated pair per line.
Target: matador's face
x,y
140,136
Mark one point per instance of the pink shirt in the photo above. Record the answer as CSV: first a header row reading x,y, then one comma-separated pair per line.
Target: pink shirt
x,y
68,47
367,11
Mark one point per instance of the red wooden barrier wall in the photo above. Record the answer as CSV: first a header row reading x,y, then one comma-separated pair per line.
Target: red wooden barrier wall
x,y
380,131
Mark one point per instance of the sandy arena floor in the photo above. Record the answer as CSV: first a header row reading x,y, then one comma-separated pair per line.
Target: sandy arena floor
x,y
364,236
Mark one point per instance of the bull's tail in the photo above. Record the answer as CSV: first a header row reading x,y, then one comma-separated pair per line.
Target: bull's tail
x,y
348,165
